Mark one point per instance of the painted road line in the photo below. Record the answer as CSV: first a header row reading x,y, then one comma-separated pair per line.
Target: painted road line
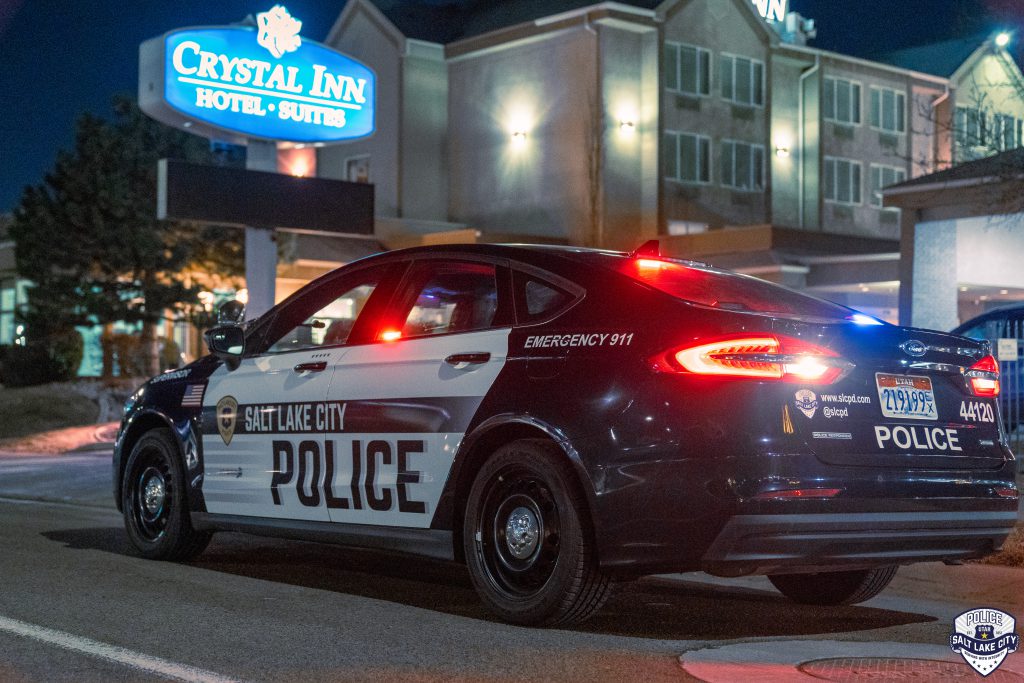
x,y
111,653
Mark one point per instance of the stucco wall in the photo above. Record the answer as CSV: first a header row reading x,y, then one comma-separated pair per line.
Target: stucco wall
x,y
365,38
547,89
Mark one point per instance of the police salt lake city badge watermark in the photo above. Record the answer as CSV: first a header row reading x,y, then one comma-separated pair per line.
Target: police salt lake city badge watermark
x,y
984,637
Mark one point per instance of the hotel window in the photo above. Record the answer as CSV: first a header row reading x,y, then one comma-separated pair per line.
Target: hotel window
x,y
687,69
742,166
842,181
742,80
881,178
970,127
842,101
888,110
687,158
9,300
1007,132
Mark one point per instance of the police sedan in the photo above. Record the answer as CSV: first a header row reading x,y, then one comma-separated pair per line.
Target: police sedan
x,y
563,419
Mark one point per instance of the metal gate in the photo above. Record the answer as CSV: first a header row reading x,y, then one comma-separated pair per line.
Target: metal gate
x,y
1006,336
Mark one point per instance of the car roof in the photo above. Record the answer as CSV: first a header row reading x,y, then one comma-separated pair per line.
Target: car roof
x,y
532,254
1002,311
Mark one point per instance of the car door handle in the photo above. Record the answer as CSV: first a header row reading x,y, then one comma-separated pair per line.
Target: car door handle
x,y
311,367
468,358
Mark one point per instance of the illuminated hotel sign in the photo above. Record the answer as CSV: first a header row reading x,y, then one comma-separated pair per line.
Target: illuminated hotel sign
x,y
265,82
772,10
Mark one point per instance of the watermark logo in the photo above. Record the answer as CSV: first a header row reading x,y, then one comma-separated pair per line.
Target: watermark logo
x,y
984,637
807,402
279,31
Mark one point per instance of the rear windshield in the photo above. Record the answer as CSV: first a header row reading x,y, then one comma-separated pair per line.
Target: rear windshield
x,y
729,291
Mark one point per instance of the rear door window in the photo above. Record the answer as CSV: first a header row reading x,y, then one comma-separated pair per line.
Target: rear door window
x,y
450,297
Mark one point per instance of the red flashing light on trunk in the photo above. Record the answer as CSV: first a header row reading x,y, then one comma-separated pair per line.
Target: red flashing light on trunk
x,y
984,377
768,357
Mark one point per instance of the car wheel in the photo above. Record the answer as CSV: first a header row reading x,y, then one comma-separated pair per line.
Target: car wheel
x,y
834,588
154,501
528,541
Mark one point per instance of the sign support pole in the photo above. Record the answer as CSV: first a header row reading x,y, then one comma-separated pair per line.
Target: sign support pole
x,y
260,246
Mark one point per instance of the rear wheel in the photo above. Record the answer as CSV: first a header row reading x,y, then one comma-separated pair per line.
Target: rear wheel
x,y
834,588
527,538
155,503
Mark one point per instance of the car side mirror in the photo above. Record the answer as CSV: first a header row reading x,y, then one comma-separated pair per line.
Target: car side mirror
x,y
227,343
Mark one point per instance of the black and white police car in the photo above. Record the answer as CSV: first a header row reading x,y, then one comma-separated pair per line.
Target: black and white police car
x,y
560,419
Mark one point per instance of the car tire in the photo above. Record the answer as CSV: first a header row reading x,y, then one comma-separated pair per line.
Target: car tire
x,y
528,540
155,502
834,588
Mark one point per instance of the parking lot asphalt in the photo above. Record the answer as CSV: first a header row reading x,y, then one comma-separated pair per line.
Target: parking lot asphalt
x,y
78,605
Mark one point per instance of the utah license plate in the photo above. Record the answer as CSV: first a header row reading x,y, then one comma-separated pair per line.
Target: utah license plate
x,y
906,397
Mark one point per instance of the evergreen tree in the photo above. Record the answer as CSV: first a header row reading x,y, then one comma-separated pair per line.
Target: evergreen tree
x,y
89,240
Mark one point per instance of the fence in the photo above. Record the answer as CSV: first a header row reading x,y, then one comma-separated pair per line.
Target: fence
x,y
1007,338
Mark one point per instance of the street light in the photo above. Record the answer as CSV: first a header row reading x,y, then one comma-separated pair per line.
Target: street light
x,y
1003,39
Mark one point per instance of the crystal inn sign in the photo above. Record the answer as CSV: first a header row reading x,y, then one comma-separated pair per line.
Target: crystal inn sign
x,y
263,82
772,10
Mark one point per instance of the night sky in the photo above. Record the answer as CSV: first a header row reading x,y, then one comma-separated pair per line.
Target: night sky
x,y
60,58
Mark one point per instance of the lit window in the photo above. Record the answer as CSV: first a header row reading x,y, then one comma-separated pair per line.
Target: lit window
x,y
1006,131
687,69
881,178
357,169
842,181
742,166
742,80
687,158
11,297
842,101
888,110
970,129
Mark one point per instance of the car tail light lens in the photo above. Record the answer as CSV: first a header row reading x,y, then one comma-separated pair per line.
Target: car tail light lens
x,y
984,377
768,357
790,494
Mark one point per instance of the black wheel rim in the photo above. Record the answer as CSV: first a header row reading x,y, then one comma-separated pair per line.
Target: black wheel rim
x,y
150,494
518,534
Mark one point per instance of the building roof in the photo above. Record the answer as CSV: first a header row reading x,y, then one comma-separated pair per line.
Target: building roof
x,y
448,22
1005,166
938,59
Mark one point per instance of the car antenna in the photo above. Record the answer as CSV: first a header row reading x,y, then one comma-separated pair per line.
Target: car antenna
x,y
649,249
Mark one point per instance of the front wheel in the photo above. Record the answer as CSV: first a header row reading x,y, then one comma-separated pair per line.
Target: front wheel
x,y
527,538
155,503
834,588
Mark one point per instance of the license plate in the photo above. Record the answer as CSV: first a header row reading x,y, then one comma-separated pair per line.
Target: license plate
x,y
906,397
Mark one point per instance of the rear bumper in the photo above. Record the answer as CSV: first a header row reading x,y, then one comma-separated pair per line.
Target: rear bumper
x,y
790,543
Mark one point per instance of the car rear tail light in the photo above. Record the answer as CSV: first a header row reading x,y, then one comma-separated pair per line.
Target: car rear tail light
x,y
768,357
789,494
1008,492
390,335
984,377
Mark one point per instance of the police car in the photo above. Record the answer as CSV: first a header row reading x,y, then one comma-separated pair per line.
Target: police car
x,y
563,419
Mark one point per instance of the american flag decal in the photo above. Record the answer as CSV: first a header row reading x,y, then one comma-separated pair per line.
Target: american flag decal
x,y
193,397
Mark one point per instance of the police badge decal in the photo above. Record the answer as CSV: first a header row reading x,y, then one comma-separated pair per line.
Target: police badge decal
x,y
227,414
984,637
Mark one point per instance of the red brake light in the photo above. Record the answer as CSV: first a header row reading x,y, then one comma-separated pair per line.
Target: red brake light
x,y
758,357
390,335
984,377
